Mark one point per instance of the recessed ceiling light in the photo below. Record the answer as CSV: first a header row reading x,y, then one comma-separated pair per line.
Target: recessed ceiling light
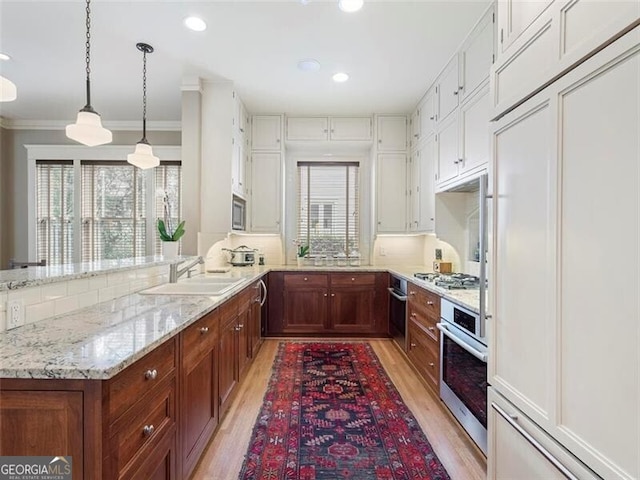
x,y
309,65
350,5
195,23
340,77
4,56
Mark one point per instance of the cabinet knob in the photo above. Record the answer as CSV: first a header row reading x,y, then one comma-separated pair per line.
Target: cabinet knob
x,y
379,140
305,279
413,315
240,326
429,302
412,345
455,92
325,294
151,374
431,329
431,364
412,293
333,294
204,329
147,430
353,279
432,118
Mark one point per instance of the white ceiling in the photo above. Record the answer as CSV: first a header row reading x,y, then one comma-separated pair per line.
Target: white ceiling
x,y
392,50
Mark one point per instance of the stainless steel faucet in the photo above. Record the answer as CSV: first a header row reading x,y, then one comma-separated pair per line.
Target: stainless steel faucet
x,y
175,273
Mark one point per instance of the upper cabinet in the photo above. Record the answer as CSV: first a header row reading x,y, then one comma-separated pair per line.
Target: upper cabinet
x,y
266,132
540,40
329,128
448,88
476,56
392,133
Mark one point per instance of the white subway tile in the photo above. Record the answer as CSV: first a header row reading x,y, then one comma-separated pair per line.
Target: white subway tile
x,y
96,283
39,311
29,295
87,299
116,278
80,285
3,301
53,291
3,322
122,289
65,305
107,293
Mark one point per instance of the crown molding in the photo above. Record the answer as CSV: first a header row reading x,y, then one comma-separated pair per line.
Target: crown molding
x,y
191,84
118,126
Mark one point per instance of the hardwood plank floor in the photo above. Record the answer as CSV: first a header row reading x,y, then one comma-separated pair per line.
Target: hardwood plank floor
x,y
225,454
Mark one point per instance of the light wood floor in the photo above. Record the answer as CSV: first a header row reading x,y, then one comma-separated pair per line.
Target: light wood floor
x,y
224,457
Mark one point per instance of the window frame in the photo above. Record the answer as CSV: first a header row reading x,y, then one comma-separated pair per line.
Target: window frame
x,y
79,153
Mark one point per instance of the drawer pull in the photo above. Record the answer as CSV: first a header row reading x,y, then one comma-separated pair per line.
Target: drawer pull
x,y
429,302
325,295
151,374
431,364
148,430
305,279
333,294
412,292
431,329
413,315
413,345
353,279
204,329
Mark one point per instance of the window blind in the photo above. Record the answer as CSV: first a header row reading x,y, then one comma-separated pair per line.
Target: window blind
x,y
113,211
54,211
328,207
167,179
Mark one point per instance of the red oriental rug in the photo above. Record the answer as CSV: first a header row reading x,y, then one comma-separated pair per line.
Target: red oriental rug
x,y
331,412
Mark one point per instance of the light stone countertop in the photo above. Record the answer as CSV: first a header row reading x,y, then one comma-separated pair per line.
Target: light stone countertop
x,y
99,341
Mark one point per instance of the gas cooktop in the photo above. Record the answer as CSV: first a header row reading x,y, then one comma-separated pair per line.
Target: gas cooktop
x,y
450,281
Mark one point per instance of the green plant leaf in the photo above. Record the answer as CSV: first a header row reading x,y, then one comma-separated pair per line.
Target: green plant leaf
x,y
162,230
180,231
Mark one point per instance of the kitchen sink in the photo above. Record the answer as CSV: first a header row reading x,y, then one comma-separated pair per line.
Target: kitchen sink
x,y
207,286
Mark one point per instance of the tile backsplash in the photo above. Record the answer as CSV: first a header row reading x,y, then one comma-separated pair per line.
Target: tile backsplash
x,y
412,250
48,300
269,245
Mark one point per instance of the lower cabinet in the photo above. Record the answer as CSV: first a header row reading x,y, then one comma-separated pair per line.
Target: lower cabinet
x,y
342,303
228,348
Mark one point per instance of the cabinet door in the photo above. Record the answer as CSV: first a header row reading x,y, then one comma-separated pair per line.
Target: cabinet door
x,y
352,310
476,56
266,132
426,186
244,348
305,310
392,193
448,89
237,167
255,326
266,192
423,351
474,124
428,114
414,134
227,361
514,16
307,128
351,128
392,133
413,180
447,146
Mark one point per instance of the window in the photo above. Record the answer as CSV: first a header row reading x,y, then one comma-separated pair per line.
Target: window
x,y
117,213
328,207
54,211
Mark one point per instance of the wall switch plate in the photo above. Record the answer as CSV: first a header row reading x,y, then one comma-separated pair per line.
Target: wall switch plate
x,y
383,251
15,314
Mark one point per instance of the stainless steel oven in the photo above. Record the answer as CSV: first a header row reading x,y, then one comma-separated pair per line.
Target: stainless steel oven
x,y
398,311
463,369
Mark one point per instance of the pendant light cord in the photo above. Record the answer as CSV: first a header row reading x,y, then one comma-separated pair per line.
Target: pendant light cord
x,y
144,96
88,107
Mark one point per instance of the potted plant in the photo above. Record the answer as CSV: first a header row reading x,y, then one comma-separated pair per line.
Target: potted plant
x,y
169,235
302,252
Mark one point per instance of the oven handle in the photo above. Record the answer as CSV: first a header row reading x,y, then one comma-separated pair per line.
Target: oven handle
x,y
393,292
476,353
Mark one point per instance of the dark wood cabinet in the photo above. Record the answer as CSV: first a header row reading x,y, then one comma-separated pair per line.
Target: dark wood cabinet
x,y
255,318
199,400
340,303
228,341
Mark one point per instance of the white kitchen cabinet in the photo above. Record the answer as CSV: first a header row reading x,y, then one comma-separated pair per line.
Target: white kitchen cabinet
x,y
241,119
414,130
350,128
392,133
307,128
538,40
428,113
266,193
266,132
563,336
391,202
476,55
474,132
448,88
238,159
422,191
447,148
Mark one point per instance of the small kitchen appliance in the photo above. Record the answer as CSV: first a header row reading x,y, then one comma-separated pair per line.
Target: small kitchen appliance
x,y
242,256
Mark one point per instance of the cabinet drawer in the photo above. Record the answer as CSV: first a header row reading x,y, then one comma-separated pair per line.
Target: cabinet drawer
x,y
228,310
425,300
423,352
359,279
135,434
200,337
136,380
303,280
425,320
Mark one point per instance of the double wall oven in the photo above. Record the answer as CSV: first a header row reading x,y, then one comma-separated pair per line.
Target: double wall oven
x,y
463,369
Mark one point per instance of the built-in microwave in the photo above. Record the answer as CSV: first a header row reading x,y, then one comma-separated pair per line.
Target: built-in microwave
x,y
238,213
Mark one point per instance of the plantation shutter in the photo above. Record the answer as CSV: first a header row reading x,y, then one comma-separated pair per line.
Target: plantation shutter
x,y
113,211
328,207
167,179
54,211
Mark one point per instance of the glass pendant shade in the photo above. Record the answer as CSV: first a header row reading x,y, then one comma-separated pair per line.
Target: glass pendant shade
x,y
143,157
88,130
8,90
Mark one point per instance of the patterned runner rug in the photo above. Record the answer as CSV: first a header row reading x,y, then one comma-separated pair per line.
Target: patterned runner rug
x,y
331,412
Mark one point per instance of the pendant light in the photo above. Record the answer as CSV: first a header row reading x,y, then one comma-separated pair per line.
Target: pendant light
x,y
8,91
88,128
143,156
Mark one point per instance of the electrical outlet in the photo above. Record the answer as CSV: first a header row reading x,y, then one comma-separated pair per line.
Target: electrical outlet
x,y
383,251
15,314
